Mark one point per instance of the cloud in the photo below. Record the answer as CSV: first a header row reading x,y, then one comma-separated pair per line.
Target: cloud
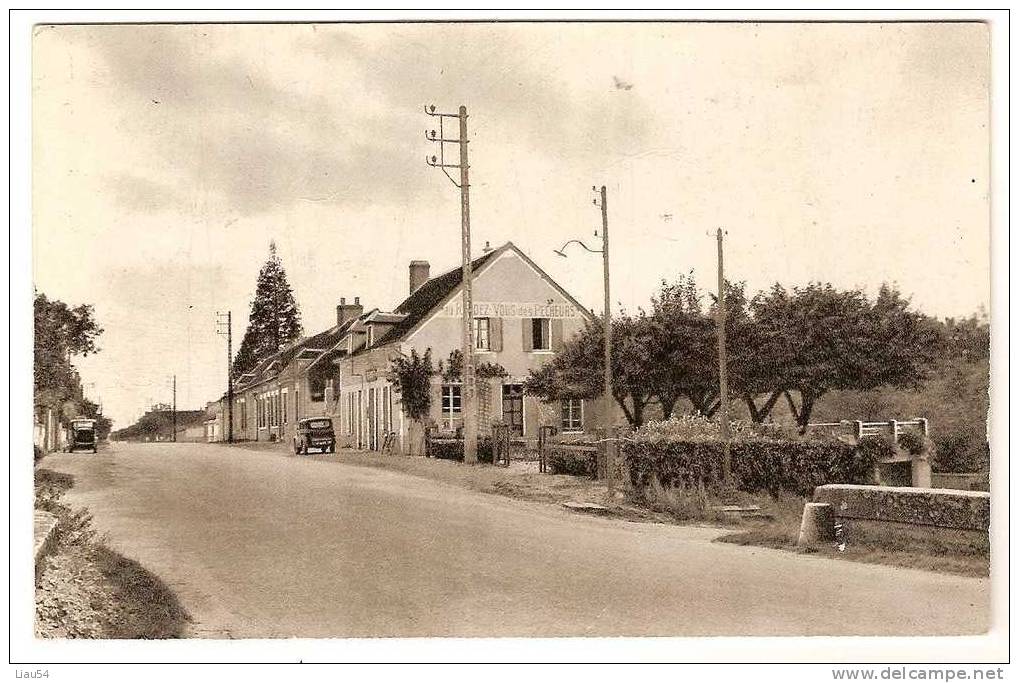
x,y
220,124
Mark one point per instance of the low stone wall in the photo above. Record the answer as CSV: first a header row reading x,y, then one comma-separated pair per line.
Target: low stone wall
x,y
938,520
943,508
45,524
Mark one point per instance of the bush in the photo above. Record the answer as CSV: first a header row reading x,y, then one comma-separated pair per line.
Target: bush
x,y
956,452
913,443
758,463
577,463
877,447
38,454
454,450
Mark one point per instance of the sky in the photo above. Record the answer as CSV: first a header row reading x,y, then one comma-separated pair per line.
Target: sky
x,y
166,158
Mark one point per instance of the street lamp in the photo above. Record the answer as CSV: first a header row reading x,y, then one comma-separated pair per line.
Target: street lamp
x,y
600,201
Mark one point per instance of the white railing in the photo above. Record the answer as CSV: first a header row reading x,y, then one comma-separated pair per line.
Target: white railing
x,y
860,429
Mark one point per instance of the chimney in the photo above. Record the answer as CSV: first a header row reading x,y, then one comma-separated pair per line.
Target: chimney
x,y
418,274
345,311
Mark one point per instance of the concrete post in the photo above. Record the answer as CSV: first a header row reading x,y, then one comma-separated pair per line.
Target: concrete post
x,y
818,524
920,469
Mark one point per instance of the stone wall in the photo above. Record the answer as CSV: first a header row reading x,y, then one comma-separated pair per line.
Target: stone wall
x,y
943,508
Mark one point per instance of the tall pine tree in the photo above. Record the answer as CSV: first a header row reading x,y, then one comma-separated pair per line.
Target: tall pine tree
x,y
274,320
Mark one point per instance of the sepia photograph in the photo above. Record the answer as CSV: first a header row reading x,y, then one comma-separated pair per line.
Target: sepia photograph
x,y
561,330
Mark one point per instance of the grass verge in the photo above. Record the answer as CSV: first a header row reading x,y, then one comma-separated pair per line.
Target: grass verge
x,y
86,590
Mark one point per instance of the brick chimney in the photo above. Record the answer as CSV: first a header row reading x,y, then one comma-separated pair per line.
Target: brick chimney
x,y
418,274
345,311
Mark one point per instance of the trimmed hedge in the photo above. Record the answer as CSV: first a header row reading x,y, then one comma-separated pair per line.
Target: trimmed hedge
x,y
758,464
454,450
577,463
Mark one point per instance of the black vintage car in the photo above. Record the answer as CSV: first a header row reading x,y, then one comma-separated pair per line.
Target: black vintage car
x,y
82,435
315,432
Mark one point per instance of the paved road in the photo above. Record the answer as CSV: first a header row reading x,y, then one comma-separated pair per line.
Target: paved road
x,y
263,545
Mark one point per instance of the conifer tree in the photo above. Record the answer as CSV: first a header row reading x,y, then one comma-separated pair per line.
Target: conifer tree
x,y
274,320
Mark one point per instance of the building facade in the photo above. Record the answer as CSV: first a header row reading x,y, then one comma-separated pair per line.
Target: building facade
x,y
521,319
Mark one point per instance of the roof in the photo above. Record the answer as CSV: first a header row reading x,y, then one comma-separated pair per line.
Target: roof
x,y
429,295
313,346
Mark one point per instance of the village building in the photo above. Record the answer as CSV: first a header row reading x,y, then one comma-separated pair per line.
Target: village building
x,y
521,319
282,389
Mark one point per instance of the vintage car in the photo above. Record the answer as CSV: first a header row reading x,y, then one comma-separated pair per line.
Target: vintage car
x,y
82,435
315,432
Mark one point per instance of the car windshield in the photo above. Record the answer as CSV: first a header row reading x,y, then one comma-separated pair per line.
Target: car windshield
x,y
84,434
320,424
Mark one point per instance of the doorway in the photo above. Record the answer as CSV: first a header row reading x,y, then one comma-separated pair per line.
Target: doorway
x,y
513,408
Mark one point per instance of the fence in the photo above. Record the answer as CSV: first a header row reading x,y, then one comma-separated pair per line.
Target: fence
x,y
860,429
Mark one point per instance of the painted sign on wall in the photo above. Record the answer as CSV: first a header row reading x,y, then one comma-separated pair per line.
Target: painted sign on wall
x,y
511,309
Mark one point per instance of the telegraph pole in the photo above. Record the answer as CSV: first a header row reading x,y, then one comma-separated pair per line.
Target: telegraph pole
x,y
606,463
229,372
468,395
723,380
610,445
175,407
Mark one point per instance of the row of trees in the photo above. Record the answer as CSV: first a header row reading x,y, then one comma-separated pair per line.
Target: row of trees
x,y
792,345
62,332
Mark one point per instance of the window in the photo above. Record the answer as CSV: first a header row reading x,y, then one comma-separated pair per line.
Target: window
x,y
572,411
283,404
482,334
244,414
452,415
541,334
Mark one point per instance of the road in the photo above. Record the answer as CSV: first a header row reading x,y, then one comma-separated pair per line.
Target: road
x,y
262,545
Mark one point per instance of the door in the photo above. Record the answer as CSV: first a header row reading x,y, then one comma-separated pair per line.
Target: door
x,y
373,420
513,408
360,412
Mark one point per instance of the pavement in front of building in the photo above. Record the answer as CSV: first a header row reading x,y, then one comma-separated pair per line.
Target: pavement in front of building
x,y
262,546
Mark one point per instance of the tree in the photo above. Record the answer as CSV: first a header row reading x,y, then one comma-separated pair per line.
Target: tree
x,y
817,339
684,339
413,377
576,370
274,320
60,333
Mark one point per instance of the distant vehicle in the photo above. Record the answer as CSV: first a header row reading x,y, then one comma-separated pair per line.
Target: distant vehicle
x,y
82,435
315,432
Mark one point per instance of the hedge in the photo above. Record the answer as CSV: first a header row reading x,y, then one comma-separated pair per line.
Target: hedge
x,y
758,464
564,461
454,450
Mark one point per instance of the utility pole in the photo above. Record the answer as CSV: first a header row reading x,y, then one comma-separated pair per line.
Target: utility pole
x,y
723,380
229,371
175,407
610,445
468,393
606,467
